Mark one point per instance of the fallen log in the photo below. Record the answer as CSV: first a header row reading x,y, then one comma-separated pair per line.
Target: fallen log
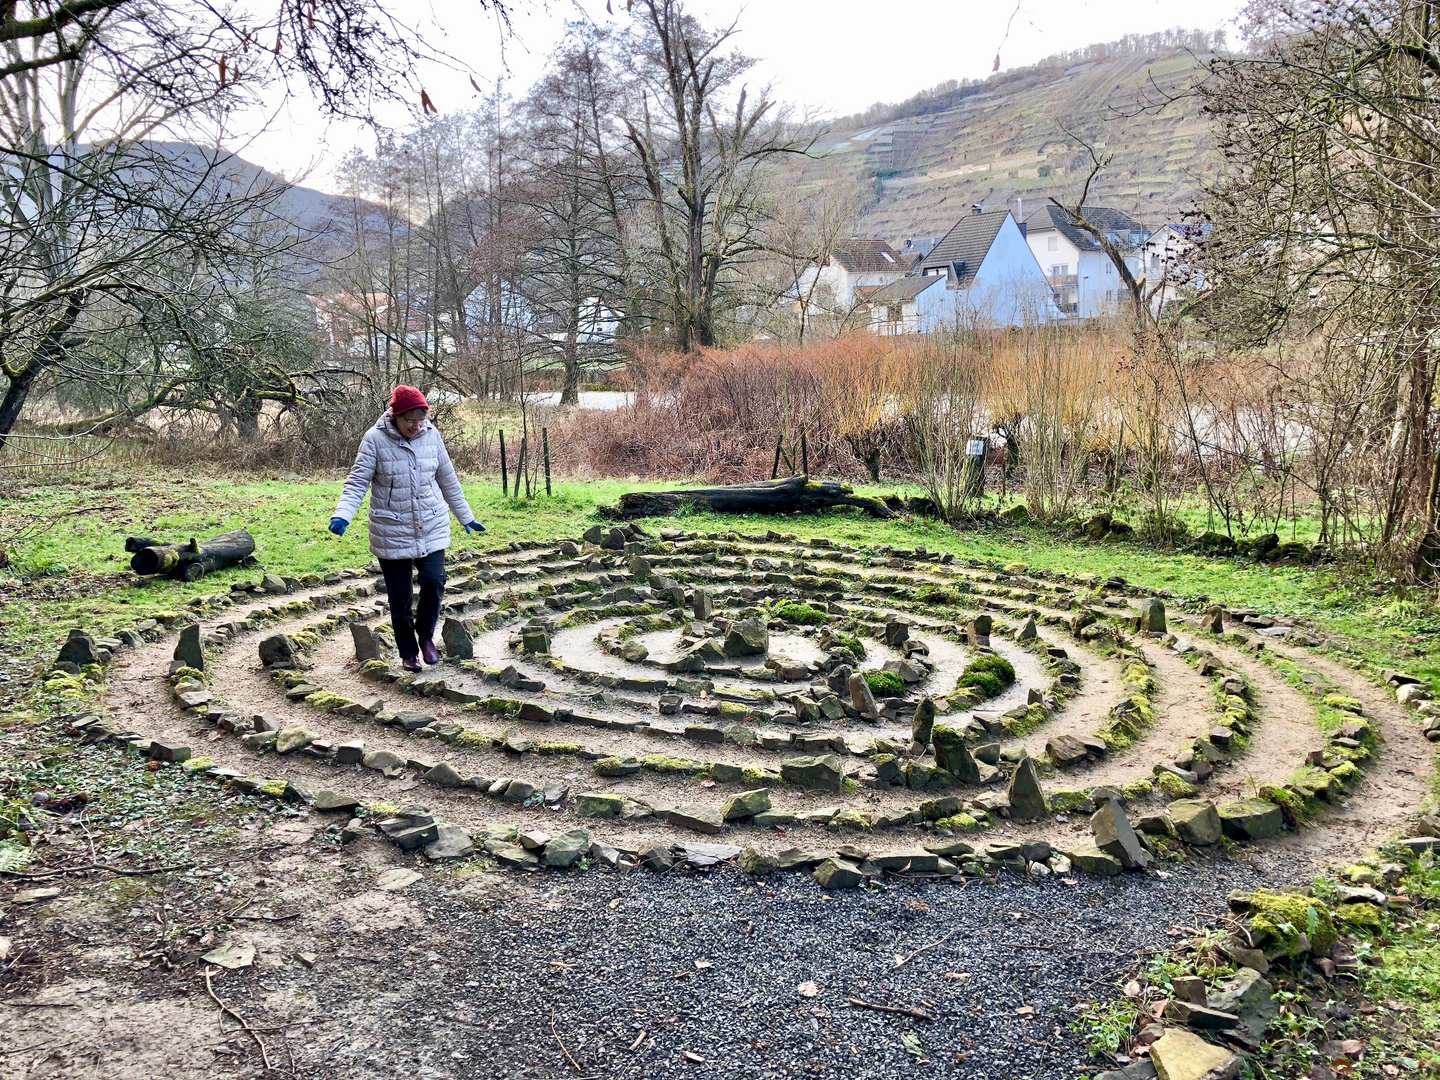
x,y
190,561
793,495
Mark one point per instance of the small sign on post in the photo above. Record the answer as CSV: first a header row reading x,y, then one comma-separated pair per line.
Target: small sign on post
x,y
975,467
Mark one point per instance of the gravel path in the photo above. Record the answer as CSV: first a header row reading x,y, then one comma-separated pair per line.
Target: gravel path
x,y
709,966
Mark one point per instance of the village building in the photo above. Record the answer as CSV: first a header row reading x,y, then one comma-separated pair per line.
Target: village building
x,y
1086,283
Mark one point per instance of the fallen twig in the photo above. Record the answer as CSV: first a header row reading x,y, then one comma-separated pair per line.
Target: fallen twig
x,y
226,1009
898,1010
901,961
36,1046
97,866
41,1004
573,1063
270,918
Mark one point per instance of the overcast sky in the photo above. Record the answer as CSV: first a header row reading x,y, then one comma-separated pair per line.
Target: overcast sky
x,y
832,56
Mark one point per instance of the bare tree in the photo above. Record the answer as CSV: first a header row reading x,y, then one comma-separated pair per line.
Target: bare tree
x,y
700,144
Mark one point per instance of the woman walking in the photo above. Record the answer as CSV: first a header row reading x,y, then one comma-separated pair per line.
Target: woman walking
x,y
402,460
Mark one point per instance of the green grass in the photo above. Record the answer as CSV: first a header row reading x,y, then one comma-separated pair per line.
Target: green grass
x,y
75,563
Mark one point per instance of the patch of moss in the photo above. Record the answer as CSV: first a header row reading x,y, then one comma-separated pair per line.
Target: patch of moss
x,y
1172,787
274,788
374,669
471,739
1068,802
1341,701
957,823
749,774
1278,919
324,699
664,763
1347,773
1367,915
558,748
197,764
1018,726
987,676
848,819
849,642
499,706
1135,790
185,673
801,614
884,683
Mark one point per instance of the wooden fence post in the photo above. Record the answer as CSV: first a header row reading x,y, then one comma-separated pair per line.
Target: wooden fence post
x,y
804,456
775,469
504,473
545,445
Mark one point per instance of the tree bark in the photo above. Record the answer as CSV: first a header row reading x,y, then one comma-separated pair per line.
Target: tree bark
x,y
794,494
193,560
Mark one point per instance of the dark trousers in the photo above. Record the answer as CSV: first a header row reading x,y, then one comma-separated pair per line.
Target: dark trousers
x,y
430,571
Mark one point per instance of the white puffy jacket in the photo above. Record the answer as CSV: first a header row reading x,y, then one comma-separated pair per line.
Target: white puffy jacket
x,y
410,482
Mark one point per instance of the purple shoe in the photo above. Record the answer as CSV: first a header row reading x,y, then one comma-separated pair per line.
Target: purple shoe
x,y
429,652
410,663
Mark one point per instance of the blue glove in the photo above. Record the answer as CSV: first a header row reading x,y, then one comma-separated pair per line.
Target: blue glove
x,y
474,526
337,525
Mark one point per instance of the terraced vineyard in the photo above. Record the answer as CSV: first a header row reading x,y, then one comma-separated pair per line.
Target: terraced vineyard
x,y
622,699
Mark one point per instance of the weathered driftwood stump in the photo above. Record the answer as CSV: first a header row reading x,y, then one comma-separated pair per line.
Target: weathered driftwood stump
x,y
192,560
794,494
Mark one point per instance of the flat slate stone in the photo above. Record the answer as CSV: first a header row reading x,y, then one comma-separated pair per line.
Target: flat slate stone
x,y
704,819
1250,819
702,855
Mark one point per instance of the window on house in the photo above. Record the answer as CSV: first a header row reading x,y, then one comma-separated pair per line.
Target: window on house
x,y
1109,267
1109,296
1053,244
892,312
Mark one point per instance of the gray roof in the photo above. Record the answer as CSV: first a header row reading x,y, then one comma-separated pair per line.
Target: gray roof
x,y
1115,222
968,243
898,292
861,256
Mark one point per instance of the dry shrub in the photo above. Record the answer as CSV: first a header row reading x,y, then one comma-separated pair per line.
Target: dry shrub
x,y
1050,388
717,414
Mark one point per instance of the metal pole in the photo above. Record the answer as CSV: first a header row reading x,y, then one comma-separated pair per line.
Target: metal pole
x,y
545,445
775,470
804,456
504,472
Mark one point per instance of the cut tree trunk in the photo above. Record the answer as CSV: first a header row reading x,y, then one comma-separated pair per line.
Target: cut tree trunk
x,y
190,561
793,495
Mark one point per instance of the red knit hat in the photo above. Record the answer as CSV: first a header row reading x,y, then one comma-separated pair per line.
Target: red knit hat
x,y
406,398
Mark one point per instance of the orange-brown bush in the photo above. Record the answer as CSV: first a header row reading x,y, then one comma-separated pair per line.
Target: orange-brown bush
x,y
716,414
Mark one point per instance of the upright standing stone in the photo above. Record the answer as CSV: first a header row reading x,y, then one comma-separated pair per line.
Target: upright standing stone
x,y
1027,800
862,699
1114,836
897,632
924,722
1152,616
978,631
701,606
367,645
457,640
277,649
952,755
1215,619
188,649
79,649
1028,632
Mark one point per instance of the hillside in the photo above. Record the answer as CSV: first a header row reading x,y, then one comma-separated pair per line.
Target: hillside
x,y
1005,140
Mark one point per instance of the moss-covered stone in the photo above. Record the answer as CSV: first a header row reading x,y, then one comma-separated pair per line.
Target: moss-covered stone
x,y
324,699
664,763
1284,923
1173,787
1359,914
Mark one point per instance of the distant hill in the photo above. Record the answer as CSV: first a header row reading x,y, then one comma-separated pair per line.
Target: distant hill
x,y
1004,140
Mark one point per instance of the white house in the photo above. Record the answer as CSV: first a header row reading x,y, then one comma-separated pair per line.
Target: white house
x,y
1167,261
980,273
1087,284
858,262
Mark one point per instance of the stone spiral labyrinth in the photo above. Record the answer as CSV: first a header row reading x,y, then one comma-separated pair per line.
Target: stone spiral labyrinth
x,y
632,700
